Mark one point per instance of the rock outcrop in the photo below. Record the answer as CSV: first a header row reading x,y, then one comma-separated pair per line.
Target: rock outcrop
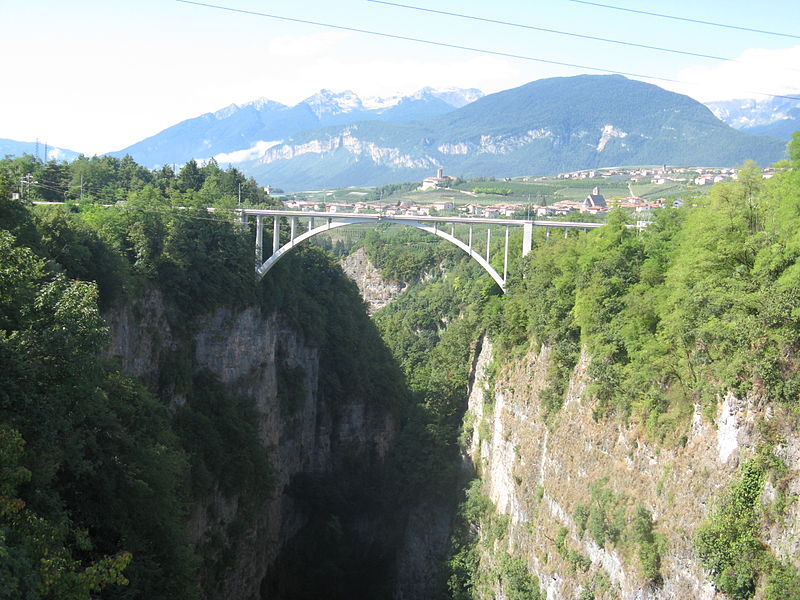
x,y
376,291
538,470
244,349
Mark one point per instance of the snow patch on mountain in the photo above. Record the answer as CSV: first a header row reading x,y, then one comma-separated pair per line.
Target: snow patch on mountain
x,y
748,112
382,102
262,103
455,97
326,102
224,113
458,97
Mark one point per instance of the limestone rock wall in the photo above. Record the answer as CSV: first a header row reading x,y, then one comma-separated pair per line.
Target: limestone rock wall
x,y
376,291
538,473
241,348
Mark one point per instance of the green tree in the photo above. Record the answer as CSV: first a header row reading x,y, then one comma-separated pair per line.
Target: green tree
x,y
190,177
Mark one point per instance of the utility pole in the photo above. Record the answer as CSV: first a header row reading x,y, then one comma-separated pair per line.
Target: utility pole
x,y
25,186
240,193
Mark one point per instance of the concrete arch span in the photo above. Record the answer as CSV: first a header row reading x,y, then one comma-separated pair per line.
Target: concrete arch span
x,y
279,252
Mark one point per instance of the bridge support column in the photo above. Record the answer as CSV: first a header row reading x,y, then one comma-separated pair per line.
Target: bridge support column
x,y
527,238
547,234
505,259
276,234
311,223
259,239
488,242
470,238
294,228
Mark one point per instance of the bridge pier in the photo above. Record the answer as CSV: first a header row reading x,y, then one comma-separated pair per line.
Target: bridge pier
x,y
527,238
505,259
276,234
259,239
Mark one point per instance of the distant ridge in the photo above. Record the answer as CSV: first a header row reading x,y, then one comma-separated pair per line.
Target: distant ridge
x,y
337,139
15,148
543,127
242,130
779,117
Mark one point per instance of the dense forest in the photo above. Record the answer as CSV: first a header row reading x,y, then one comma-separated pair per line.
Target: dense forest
x,y
106,179
97,473
702,302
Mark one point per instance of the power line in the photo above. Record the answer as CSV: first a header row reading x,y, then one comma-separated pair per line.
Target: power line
x,y
455,46
422,41
688,20
556,31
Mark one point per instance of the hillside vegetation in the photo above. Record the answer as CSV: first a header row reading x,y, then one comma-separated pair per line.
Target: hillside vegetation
x,y
99,474
701,303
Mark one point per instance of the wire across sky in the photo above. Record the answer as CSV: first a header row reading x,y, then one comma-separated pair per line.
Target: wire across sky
x,y
480,50
686,19
164,61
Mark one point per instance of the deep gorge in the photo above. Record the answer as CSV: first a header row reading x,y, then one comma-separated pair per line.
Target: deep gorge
x,y
622,424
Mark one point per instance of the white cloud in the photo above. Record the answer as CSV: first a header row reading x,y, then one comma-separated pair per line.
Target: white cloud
x,y
756,73
55,154
239,156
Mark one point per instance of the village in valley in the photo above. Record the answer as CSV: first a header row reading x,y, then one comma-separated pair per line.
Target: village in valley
x,y
588,192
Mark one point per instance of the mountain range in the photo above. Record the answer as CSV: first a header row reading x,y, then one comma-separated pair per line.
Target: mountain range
x,y
546,126
236,133
776,116
40,149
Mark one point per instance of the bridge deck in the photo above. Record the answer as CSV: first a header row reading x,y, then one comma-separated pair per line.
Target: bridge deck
x,y
417,219
330,220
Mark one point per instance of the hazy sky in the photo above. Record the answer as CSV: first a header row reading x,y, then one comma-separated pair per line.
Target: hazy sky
x,y
98,75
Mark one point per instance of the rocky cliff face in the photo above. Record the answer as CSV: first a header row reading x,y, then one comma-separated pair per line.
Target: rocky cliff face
x,y
538,472
245,349
376,291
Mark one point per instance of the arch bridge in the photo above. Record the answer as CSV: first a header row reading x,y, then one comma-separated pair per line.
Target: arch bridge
x,y
305,225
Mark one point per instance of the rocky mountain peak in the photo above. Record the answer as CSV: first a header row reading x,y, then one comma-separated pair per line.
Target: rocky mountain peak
x,y
326,103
